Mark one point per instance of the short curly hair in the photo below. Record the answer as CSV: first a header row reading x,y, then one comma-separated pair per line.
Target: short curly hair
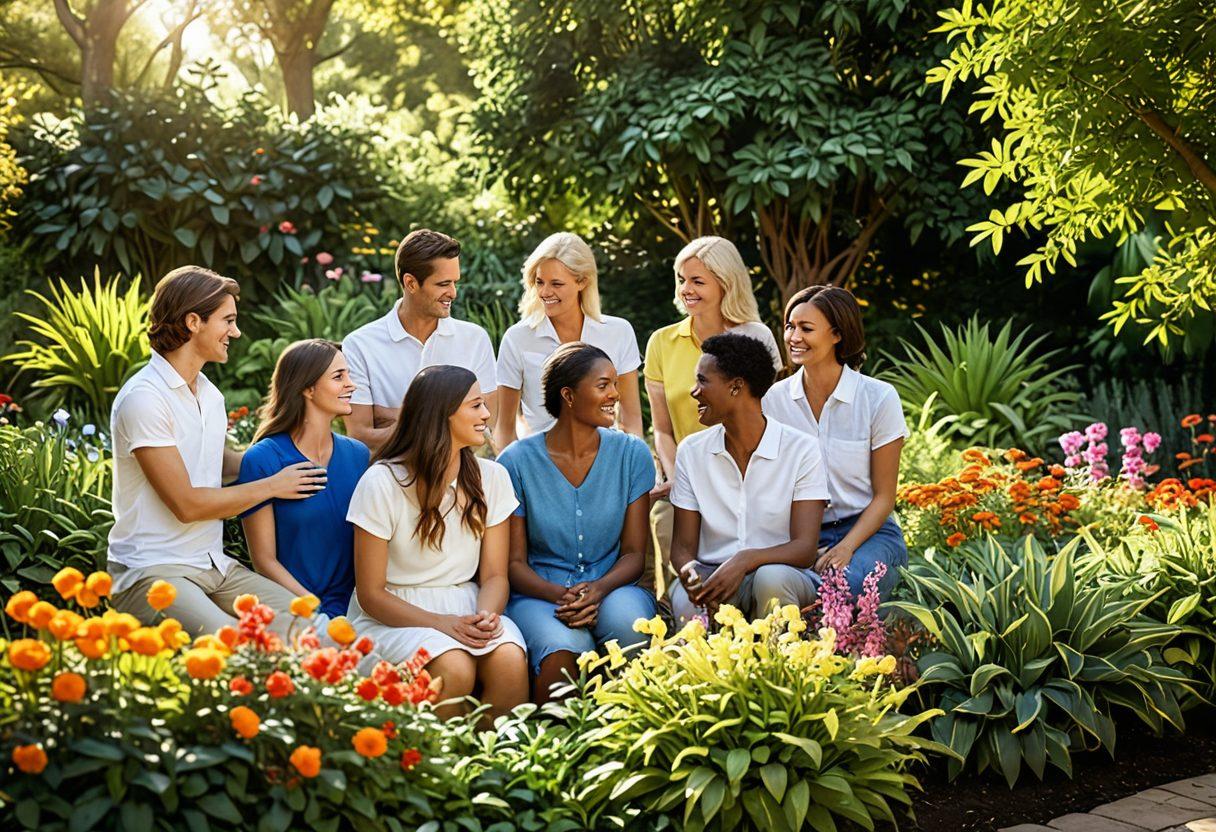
x,y
186,290
745,357
566,367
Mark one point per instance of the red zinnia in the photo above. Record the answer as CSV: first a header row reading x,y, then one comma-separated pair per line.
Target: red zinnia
x,y
279,684
240,686
368,690
410,758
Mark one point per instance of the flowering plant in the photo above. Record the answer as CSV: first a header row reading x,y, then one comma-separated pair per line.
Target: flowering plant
x,y
1090,448
859,629
1203,441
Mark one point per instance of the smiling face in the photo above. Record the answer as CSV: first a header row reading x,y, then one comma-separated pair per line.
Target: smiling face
x,y
557,287
698,289
331,394
593,400
716,395
210,337
434,297
470,424
809,336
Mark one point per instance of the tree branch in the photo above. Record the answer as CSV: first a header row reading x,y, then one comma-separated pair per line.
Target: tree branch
x,y
174,37
1199,168
73,24
320,59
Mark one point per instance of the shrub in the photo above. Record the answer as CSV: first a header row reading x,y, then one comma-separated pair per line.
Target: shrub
x,y
927,454
54,505
999,390
1035,657
86,345
754,728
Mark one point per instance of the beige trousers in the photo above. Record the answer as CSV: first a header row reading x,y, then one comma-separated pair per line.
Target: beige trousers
x,y
657,574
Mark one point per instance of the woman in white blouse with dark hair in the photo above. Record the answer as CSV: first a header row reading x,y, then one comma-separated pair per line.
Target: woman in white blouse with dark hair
x,y
860,426
560,305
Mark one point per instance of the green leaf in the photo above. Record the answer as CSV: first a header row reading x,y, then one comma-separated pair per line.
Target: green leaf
x,y
220,805
775,778
813,749
186,236
737,763
1181,609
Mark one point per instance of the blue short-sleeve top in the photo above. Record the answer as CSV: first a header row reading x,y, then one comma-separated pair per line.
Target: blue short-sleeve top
x,y
313,540
574,534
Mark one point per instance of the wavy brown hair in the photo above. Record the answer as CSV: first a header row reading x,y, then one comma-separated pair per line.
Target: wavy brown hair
x,y
299,367
422,443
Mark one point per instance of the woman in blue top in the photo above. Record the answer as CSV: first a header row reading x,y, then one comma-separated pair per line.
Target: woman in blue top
x,y
578,538
306,545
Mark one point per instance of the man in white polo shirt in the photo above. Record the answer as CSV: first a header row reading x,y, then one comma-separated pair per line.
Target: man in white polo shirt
x,y
749,492
169,427
419,331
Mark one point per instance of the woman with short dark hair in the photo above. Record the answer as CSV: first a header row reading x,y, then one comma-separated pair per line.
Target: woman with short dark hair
x,y
578,538
860,426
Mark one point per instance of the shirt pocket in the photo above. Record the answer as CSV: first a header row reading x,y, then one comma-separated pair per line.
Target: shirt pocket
x,y
848,468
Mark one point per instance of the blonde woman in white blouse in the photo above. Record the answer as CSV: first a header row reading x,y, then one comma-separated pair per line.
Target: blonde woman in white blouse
x,y
860,426
560,305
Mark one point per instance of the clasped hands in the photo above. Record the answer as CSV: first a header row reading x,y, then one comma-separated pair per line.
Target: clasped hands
x,y
579,605
724,582
475,630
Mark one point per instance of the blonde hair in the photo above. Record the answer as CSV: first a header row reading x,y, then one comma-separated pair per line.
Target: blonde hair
x,y
725,263
572,252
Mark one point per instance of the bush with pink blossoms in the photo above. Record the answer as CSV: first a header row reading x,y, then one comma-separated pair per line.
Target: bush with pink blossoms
x,y
860,630
1088,451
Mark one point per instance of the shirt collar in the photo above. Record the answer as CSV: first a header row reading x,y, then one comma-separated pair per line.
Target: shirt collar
x,y
165,370
770,442
684,327
397,332
545,328
846,388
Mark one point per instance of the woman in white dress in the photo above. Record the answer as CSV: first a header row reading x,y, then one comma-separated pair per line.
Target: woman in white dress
x,y
432,544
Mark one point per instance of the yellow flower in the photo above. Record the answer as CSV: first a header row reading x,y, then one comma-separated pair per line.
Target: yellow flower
x,y
886,665
340,631
161,595
652,627
305,605
615,657
692,631
99,583
67,582
41,613
210,642
204,663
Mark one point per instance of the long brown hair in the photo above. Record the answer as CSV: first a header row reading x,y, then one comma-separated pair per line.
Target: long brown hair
x,y
299,367
422,442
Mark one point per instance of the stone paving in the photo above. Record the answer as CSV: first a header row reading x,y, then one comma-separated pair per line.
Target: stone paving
x,y
1182,806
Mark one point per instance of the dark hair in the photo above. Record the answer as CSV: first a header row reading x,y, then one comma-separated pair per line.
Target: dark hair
x,y
569,364
418,252
185,290
299,367
844,315
745,357
422,442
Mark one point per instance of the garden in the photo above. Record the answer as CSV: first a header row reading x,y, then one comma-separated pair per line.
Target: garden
x,y
1022,196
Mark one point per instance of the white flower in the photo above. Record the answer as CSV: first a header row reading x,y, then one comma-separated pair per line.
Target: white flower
x,y
60,417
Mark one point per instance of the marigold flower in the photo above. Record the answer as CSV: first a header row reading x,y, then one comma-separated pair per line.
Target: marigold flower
x,y
245,722
204,662
240,686
229,636
306,760
120,624
370,742
955,539
389,728
279,684
367,690
341,631
305,605
65,625
1028,519
1191,420
170,629
364,645
28,654
92,648
68,687
161,595
1015,455
1028,465
213,643
244,603
146,641
410,757
1058,471
18,606
31,759
99,583
67,582
40,615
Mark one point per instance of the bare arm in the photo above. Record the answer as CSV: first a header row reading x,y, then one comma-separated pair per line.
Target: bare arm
x,y
167,474
259,534
631,404
685,538
371,570
504,425
494,587
523,577
664,434
361,425
884,480
232,464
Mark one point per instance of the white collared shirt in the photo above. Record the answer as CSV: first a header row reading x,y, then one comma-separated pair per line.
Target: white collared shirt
x,y
750,511
383,358
862,414
155,409
524,349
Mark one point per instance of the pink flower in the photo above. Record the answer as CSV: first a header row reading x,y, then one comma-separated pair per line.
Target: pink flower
x,y
1096,432
256,179
334,274
1152,441
1071,442
1130,437
371,277
287,227
324,258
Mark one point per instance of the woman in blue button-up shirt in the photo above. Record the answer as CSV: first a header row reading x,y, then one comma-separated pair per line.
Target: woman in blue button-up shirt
x,y
578,538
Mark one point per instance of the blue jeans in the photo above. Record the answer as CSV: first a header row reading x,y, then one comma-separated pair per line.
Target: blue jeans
x,y
546,635
884,546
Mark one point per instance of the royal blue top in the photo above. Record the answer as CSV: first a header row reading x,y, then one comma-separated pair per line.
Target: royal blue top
x,y
313,541
574,534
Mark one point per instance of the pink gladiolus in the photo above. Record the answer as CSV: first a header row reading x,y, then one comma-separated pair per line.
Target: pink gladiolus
x,y
1096,432
1152,441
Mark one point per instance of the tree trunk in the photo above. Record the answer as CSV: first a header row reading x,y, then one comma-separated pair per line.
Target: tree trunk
x,y
96,36
297,66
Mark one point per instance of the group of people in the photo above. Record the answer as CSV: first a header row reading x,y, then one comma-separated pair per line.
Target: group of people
x,y
506,570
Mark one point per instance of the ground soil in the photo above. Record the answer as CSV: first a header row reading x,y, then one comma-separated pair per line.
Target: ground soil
x,y
986,804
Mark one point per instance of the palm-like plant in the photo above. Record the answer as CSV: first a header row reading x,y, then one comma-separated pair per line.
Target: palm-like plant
x,y
1000,392
86,345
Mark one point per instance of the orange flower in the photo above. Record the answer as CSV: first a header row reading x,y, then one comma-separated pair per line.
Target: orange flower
x,y
65,624
340,631
1145,520
983,516
28,654
87,599
955,539
1028,465
204,663
1191,420
68,687
170,631
67,582
364,645
161,595
120,624
1048,484
229,635
305,605
307,760
245,722
92,648
279,684
240,686
370,742
244,603
410,758
1068,501
1059,471
975,455
30,758
213,643
1016,455
1204,439
368,690
41,613
1027,518
18,606
99,583
146,641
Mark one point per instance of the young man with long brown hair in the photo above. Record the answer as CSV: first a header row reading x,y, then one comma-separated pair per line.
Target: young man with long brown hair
x,y
169,428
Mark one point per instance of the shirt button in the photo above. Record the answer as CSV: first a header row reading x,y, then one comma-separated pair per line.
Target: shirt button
x,y
579,512
580,537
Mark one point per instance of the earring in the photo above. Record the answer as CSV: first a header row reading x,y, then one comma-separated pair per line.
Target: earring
x,y
734,392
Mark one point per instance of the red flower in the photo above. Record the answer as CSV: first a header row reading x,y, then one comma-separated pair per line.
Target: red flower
x,y
279,684
1204,439
1145,520
1191,420
410,758
368,690
287,227
262,229
320,662
385,674
240,686
5,400
394,695
364,645
390,730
